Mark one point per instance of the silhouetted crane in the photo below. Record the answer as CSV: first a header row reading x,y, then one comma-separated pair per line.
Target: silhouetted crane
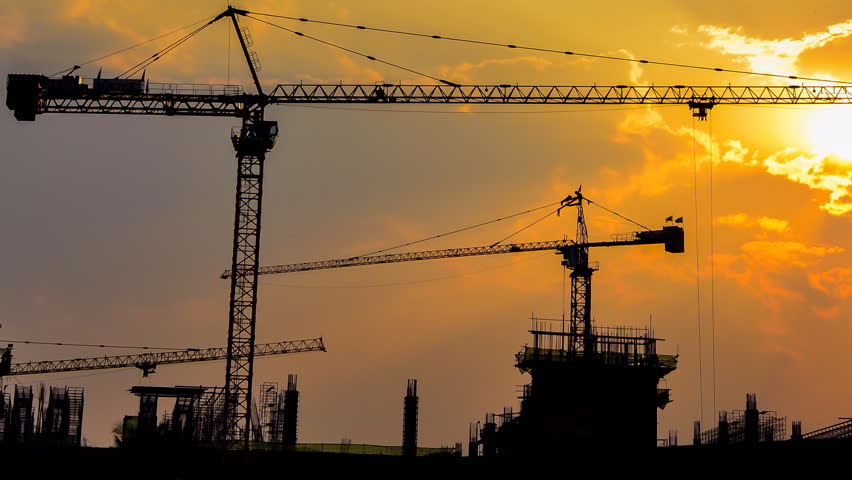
x,y
575,257
31,95
147,362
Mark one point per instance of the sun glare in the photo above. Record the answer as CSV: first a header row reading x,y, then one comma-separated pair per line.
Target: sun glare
x,y
830,131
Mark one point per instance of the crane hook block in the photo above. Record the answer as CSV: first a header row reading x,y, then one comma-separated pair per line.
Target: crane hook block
x,y
700,109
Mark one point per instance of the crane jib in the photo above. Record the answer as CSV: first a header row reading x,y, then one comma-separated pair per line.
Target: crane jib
x,y
148,361
29,95
671,236
410,256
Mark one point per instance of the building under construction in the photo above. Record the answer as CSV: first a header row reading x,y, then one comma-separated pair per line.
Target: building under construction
x,y
591,386
52,417
747,426
198,416
603,394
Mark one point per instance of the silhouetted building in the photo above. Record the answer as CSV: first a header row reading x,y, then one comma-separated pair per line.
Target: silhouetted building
x,y
603,393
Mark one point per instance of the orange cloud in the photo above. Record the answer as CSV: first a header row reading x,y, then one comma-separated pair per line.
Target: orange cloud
x,y
352,72
735,220
784,254
745,221
774,56
13,28
764,269
826,313
77,8
836,282
466,72
818,171
636,70
773,224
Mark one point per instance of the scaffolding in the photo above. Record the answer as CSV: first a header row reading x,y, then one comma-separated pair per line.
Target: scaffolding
x,y
747,426
282,412
57,422
198,416
622,346
60,423
268,408
21,418
5,414
209,422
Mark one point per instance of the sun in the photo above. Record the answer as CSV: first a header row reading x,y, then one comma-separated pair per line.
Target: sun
x,y
829,131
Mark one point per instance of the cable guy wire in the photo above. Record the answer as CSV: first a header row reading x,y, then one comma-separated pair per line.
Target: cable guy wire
x,y
461,230
95,345
369,57
557,51
134,46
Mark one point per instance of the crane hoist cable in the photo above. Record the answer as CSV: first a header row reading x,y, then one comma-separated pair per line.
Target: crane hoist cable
x,y
712,271
132,46
551,50
697,278
369,57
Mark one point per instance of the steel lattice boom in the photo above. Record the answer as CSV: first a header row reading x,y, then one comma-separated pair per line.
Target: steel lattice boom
x,y
671,236
147,362
230,101
525,94
410,256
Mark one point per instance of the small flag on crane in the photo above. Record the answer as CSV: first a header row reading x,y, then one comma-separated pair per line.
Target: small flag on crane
x,y
679,220
669,218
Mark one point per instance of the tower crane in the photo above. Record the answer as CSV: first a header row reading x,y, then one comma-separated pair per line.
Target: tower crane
x,y
575,257
30,95
147,362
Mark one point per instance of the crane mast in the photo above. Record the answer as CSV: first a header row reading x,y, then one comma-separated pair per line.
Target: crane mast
x,y
255,138
577,260
29,95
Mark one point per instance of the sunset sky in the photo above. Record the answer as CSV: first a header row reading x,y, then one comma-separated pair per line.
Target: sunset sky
x,y
117,227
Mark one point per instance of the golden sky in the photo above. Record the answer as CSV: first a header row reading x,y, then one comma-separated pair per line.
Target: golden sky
x,y
117,227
